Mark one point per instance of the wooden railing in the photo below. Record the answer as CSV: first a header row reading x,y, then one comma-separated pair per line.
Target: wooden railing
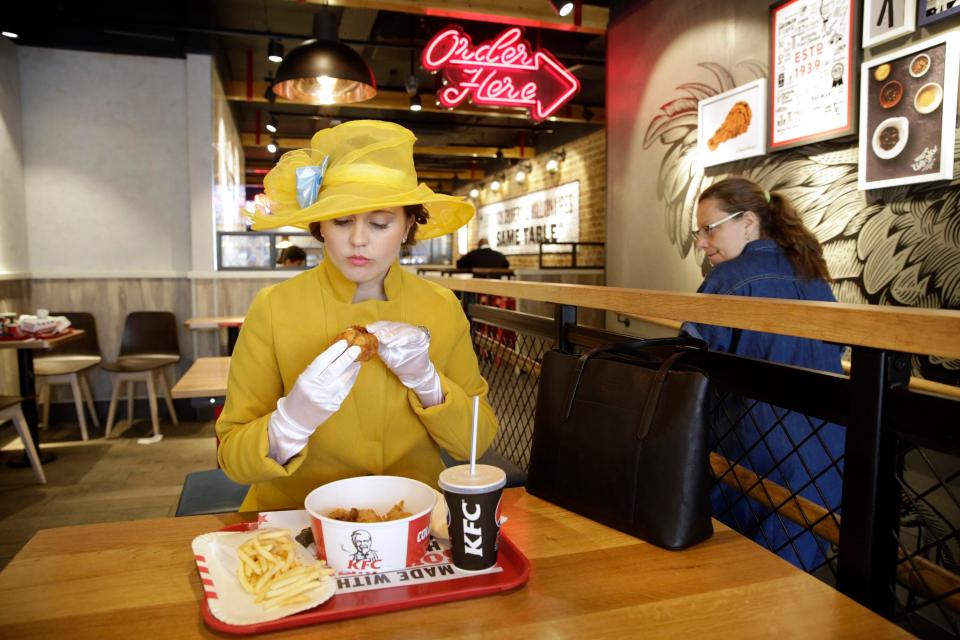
x,y
903,329
872,332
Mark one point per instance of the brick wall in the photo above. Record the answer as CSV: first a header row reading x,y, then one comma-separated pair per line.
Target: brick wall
x,y
586,161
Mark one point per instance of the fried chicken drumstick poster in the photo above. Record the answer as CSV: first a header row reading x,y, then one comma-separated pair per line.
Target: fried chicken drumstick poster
x,y
733,124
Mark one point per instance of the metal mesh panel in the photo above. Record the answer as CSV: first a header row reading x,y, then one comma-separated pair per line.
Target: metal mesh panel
x,y
928,572
780,478
779,482
510,363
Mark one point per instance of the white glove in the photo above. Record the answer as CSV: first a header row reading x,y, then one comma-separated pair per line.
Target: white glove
x,y
405,349
316,395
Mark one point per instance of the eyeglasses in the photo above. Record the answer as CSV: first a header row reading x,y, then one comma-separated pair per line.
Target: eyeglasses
x,y
707,230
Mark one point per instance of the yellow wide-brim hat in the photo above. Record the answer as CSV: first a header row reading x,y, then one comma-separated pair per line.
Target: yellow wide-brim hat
x,y
363,165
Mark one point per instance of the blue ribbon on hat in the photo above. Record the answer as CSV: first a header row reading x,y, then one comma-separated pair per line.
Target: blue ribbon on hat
x,y
309,179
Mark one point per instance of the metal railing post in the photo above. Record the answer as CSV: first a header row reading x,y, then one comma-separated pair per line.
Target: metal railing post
x,y
867,560
565,316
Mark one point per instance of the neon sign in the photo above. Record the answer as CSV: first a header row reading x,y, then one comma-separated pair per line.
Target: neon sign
x,y
503,72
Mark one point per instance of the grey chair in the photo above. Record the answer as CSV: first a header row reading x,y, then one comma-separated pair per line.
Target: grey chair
x,y
68,364
149,345
210,491
10,410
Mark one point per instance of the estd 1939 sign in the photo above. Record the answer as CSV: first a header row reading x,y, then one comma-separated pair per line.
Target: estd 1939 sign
x,y
504,72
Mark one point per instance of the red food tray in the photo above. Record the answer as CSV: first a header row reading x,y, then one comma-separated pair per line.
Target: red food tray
x,y
515,573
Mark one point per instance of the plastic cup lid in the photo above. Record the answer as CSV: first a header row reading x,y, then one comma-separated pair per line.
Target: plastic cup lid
x,y
458,479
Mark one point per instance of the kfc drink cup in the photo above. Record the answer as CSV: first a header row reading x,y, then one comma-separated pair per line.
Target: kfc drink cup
x,y
473,505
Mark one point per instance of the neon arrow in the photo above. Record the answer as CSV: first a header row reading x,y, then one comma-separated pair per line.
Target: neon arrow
x,y
502,72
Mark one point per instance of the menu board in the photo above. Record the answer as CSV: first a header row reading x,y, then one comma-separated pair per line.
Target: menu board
x,y
813,52
518,226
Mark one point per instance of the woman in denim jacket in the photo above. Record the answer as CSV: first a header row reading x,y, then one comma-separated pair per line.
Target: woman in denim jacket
x,y
759,246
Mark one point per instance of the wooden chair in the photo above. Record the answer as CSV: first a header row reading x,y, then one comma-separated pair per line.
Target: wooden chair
x,y
10,410
148,346
67,364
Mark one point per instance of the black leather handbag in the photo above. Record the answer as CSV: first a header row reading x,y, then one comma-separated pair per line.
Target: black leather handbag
x,y
620,437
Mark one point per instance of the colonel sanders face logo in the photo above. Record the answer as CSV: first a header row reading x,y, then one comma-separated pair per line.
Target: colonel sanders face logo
x,y
363,543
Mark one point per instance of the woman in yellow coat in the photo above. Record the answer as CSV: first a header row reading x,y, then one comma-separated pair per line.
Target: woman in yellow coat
x,y
301,410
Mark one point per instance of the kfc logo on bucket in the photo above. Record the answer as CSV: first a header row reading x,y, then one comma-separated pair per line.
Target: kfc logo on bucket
x,y
371,547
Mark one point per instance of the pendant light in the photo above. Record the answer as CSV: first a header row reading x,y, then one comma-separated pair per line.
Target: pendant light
x,y
324,70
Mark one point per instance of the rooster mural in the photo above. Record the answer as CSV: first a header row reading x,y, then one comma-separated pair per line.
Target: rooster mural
x,y
901,248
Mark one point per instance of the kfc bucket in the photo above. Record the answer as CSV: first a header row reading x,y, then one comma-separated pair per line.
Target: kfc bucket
x,y
371,547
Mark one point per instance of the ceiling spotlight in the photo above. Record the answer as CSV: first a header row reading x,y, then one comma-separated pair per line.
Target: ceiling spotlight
x,y
275,51
9,34
522,171
273,124
553,164
415,103
323,70
562,8
495,185
272,145
474,193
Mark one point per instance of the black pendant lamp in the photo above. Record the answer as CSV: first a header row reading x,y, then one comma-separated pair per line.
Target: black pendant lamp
x,y
324,70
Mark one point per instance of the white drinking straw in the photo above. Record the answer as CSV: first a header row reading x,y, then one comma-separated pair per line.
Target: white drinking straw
x,y
473,441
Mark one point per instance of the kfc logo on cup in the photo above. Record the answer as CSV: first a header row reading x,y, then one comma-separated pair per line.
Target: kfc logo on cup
x,y
371,547
472,533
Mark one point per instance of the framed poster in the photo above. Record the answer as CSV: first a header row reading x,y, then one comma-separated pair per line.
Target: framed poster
x,y
884,20
908,111
930,11
517,226
733,124
813,52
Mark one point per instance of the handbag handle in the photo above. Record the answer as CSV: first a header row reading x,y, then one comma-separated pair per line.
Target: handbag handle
x,y
653,395
639,345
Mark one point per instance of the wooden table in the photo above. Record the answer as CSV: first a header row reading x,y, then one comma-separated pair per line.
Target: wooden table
x,y
231,323
204,383
125,579
28,385
205,377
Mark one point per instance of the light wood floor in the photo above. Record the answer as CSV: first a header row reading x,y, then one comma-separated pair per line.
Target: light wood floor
x,y
98,480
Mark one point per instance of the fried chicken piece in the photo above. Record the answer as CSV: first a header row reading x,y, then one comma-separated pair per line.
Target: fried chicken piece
x,y
353,514
396,512
736,123
359,336
305,537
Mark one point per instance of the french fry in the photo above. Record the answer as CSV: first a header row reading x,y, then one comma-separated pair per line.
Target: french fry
x,y
270,571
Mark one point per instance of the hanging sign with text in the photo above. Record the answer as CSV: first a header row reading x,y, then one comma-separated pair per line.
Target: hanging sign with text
x,y
519,225
503,72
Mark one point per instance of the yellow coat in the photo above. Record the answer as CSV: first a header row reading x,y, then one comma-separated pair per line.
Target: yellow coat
x,y
381,428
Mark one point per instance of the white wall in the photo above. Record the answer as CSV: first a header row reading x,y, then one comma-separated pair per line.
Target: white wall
x,y
106,170
13,239
651,50
200,148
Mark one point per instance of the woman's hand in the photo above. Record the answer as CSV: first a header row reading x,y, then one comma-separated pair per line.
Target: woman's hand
x,y
317,394
405,349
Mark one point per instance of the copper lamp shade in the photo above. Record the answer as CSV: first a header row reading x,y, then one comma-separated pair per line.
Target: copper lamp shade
x,y
324,70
